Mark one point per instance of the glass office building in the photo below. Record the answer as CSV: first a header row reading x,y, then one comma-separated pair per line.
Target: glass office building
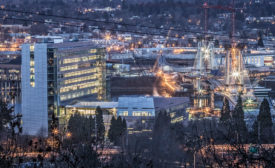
x,y
54,75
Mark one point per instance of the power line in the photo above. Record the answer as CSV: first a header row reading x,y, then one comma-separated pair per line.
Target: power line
x,y
101,28
108,22
80,26
115,23
93,20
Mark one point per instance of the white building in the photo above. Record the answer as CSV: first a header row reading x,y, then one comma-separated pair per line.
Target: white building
x,y
135,106
149,106
34,89
54,75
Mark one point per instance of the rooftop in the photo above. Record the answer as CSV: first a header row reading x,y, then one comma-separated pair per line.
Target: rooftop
x,y
136,102
94,105
73,45
164,103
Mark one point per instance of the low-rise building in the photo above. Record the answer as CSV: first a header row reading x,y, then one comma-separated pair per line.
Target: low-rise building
x,y
89,109
140,112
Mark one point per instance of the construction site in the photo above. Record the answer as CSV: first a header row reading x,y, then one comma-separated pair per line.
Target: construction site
x,y
207,74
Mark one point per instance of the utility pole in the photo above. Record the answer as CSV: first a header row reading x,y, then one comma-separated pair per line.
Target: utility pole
x,y
95,128
259,131
194,156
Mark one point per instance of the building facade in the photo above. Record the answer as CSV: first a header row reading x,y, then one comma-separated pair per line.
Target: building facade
x,y
54,75
136,106
140,112
10,82
151,106
89,109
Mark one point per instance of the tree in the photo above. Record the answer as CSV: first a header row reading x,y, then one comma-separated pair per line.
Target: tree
x,y
81,128
9,149
100,128
117,131
124,126
124,132
85,156
5,115
238,124
39,29
260,39
111,133
161,135
262,127
225,113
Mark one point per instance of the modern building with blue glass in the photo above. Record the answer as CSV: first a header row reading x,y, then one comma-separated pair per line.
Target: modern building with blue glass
x,y
56,74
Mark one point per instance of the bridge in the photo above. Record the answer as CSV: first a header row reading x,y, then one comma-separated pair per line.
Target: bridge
x,y
235,79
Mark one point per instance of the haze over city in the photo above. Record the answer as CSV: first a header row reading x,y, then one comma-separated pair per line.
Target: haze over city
x,y
137,83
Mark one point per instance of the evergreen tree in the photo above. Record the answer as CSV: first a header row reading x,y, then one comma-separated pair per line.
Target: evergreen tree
x,y
260,39
111,133
81,128
263,124
124,133
119,125
161,136
5,115
100,128
124,126
238,124
225,112
117,130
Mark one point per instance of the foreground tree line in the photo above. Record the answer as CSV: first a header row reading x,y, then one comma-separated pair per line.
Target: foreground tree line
x,y
225,142
82,143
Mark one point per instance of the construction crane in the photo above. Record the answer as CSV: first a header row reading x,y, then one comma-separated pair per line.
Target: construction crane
x,y
230,8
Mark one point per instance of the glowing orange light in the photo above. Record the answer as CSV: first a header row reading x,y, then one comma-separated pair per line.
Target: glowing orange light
x,y
55,131
167,82
68,135
107,37
178,51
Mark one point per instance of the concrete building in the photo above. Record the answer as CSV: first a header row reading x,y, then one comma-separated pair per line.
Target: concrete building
x,y
136,106
54,75
130,107
140,112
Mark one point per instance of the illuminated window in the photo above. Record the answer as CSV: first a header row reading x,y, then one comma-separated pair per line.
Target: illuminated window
x,y
78,73
32,48
92,51
13,71
80,59
80,79
32,70
67,68
141,113
78,94
124,113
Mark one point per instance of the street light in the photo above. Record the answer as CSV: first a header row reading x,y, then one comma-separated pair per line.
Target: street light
x,y
68,135
55,131
107,37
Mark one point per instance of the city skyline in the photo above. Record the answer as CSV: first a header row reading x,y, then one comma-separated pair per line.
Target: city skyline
x,y
153,83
